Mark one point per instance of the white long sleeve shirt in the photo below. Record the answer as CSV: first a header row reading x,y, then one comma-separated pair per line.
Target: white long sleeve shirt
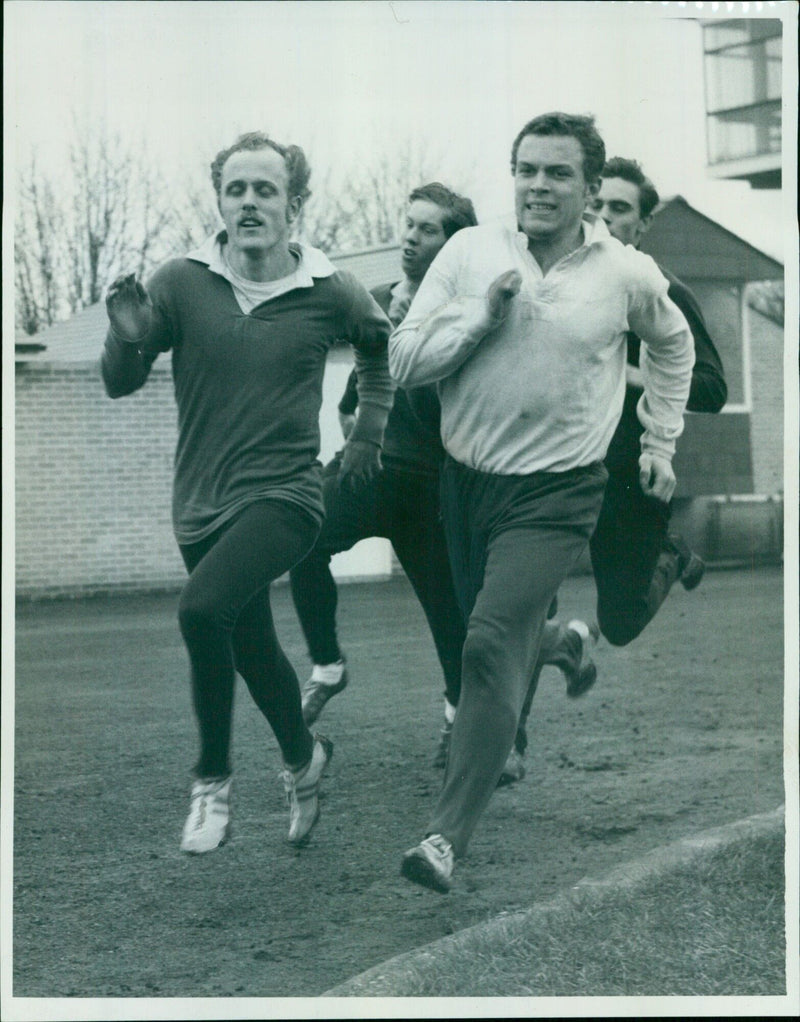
x,y
544,389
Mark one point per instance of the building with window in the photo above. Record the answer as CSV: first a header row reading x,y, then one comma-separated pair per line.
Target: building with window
x,y
739,451
743,66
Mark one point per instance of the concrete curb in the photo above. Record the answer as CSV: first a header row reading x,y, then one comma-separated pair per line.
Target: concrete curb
x,y
400,975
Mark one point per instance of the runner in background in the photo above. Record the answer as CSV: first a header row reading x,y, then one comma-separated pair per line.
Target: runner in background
x,y
401,502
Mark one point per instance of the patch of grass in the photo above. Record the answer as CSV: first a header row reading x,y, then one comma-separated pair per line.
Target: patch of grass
x,y
715,927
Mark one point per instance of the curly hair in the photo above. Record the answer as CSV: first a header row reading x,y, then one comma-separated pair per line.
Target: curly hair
x,y
630,170
294,158
577,126
458,210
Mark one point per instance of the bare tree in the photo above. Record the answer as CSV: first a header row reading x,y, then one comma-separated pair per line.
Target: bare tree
x,y
105,214
37,251
111,213
155,218
325,221
194,217
364,207
119,217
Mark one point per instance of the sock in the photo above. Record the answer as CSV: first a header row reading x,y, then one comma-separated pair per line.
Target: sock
x,y
449,712
551,637
580,627
328,674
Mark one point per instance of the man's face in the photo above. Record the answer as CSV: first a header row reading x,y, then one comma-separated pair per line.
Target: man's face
x,y
254,202
618,204
550,190
422,238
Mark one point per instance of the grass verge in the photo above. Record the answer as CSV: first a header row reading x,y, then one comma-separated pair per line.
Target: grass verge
x,y
715,927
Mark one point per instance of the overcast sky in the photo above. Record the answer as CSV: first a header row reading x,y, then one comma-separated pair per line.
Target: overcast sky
x,y
338,77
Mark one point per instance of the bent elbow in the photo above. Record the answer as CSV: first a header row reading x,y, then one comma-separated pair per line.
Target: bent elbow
x,y
709,398
398,366
114,388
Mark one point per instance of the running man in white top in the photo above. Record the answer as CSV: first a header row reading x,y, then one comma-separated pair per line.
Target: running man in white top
x,y
524,333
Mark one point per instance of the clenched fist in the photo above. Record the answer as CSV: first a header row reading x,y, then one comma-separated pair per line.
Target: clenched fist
x,y
656,476
501,291
361,462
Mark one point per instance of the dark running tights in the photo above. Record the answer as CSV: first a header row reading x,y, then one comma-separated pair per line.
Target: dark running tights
x,y
226,622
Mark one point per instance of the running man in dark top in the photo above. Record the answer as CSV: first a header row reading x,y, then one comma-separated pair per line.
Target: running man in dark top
x,y
635,558
401,502
249,318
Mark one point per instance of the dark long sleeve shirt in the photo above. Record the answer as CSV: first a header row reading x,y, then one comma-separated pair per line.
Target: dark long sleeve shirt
x,y
249,386
708,391
411,439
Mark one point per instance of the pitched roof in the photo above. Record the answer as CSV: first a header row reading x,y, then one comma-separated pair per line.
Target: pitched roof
x,y
372,266
695,247
77,339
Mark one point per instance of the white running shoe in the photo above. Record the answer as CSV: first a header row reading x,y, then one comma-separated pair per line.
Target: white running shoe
x,y
208,823
324,683
513,771
430,863
577,642
302,791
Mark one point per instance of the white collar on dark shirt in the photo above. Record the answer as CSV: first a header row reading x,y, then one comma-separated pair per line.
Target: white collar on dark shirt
x,y
311,263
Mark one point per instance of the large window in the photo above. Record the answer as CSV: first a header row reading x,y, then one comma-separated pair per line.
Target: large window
x,y
743,88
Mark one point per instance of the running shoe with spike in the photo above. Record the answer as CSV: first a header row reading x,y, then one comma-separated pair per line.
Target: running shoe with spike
x,y
302,791
693,572
430,863
317,692
573,657
513,771
208,823
691,568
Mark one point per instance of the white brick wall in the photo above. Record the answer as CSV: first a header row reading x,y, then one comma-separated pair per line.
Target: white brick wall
x,y
94,479
93,483
766,422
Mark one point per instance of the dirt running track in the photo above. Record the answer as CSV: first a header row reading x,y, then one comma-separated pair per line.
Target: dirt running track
x,y
682,732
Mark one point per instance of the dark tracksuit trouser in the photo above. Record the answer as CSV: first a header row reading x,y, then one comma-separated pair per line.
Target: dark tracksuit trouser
x,y
402,506
634,563
512,541
226,622
633,560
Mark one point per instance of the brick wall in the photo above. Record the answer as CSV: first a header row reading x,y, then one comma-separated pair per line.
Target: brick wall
x,y
766,429
93,483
